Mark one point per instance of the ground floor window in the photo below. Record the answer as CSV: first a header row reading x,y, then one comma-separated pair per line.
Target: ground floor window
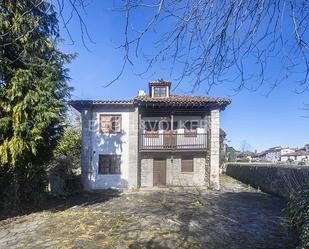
x,y
187,164
109,164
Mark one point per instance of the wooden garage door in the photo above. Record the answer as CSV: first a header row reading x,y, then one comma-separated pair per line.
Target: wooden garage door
x,y
159,172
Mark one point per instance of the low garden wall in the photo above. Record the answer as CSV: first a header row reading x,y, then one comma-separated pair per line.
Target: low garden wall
x,y
270,178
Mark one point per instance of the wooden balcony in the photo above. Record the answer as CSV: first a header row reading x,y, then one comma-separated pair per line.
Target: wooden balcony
x,y
161,142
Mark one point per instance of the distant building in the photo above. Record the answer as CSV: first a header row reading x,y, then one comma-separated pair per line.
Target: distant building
x,y
272,154
300,155
259,157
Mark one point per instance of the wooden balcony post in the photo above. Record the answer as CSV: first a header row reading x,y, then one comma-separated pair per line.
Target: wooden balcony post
x,y
172,144
140,137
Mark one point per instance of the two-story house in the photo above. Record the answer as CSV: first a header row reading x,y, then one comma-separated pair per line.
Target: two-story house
x,y
154,139
274,154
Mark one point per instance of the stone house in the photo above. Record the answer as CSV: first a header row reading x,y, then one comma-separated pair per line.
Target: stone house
x,y
154,139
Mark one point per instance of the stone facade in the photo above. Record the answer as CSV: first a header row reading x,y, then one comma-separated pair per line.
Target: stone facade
x,y
137,168
214,127
174,176
133,149
146,170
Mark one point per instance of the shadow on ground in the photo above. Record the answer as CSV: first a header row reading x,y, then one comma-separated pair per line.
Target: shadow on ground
x,y
234,217
60,203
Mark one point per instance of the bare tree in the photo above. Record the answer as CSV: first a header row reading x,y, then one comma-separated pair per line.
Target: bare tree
x,y
245,147
219,41
210,42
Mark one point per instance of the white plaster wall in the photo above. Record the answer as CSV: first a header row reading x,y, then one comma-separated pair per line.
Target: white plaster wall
x,y
110,144
295,158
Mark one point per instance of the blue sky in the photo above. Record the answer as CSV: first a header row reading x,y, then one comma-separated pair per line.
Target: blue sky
x,y
261,121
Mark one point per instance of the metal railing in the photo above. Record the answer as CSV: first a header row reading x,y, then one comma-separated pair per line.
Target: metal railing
x,y
172,141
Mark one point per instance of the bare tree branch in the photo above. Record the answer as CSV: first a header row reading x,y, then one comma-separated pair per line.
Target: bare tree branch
x,y
211,40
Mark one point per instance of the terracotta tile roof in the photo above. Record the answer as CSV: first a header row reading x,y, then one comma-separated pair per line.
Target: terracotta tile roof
x,y
171,100
182,99
77,104
277,148
259,154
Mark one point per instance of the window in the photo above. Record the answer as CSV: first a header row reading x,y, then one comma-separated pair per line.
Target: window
x,y
191,129
110,123
187,164
159,91
109,164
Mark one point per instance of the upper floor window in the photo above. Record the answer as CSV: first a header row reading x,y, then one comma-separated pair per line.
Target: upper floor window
x,y
110,123
159,91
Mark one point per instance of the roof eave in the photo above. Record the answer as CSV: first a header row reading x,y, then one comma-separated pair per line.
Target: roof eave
x,y
80,105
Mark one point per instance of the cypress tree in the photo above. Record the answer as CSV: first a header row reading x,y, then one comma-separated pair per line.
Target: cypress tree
x,y
33,95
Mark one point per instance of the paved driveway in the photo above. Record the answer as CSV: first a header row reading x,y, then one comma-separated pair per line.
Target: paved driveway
x,y
237,217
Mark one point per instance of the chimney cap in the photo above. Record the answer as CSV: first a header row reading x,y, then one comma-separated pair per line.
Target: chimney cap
x,y
141,93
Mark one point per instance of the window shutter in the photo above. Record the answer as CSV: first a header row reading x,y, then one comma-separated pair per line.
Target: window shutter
x,y
110,123
187,164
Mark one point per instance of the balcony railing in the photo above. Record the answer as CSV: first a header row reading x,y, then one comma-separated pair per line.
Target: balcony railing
x,y
172,142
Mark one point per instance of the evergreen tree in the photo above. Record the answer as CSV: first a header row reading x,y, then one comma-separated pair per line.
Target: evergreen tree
x,y
33,93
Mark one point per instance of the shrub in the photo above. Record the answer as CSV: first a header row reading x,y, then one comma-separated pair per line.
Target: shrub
x,y
64,169
298,212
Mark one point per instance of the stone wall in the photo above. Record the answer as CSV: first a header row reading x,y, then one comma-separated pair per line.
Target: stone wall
x,y
174,176
214,125
133,151
146,171
273,179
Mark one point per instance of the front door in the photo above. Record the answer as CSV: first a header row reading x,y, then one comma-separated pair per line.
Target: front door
x,y
159,172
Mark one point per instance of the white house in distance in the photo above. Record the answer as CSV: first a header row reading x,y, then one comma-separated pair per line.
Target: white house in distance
x,y
272,154
154,139
300,155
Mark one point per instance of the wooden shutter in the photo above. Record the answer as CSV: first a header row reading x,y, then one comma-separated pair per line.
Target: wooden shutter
x,y
187,164
110,123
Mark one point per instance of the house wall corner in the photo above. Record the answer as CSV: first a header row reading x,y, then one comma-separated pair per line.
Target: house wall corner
x,y
133,174
86,149
214,158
